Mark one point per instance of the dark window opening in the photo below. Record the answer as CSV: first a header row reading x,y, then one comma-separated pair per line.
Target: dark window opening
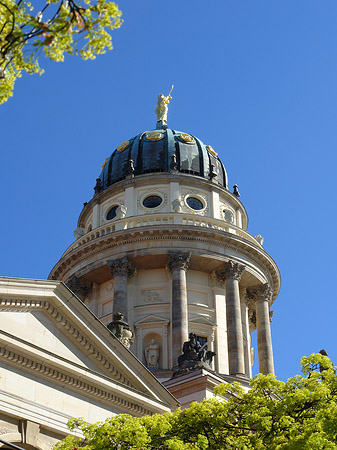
x,y
194,203
112,213
152,201
202,340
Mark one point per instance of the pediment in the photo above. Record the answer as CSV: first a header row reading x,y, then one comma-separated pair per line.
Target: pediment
x,y
152,319
201,320
47,331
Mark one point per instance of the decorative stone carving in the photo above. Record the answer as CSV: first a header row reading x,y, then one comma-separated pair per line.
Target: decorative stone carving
x,y
122,267
261,292
79,232
109,287
121,211
271,314
152,355
121,330
228,216
178,260
230,269
195,355
260,239
80,287
177,205
151,297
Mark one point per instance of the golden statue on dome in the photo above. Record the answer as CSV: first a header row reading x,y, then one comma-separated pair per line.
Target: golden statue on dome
x,y
162,107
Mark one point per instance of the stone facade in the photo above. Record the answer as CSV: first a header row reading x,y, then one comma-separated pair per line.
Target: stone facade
x,y
58,361
186,271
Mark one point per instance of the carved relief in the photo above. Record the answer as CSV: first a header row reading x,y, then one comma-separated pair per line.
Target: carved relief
x,y
178,260
109,287
121,211
121,267
177,205
228,215
151,296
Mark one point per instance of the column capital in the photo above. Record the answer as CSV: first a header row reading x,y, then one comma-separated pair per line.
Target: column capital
x,y
122,267
82,288
178,260
263,292
230,270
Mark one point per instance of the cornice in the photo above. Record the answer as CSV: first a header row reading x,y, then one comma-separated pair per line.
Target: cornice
x,y
73,382
160,232
14,304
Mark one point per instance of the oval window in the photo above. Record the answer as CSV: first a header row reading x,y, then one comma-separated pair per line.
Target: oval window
x,y
112,213
152,201
194,203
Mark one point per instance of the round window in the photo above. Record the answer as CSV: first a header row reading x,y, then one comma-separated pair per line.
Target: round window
x,y
194,203
112,213
152,201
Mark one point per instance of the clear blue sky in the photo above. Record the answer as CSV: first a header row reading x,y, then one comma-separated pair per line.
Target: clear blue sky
x,y
257,80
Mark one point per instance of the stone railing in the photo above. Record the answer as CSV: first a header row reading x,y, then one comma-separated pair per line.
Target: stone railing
x,y
188,220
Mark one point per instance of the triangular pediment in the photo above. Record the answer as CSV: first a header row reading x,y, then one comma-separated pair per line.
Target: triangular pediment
x,y
48,333
152,319
201,320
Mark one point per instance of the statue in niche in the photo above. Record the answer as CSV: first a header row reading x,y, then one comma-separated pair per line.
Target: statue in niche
x,y
195,355
162,107
121,330
152,355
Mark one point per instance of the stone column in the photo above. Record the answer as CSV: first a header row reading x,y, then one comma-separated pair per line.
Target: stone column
x,y
246,334
177,264
261,295
121,269
231,272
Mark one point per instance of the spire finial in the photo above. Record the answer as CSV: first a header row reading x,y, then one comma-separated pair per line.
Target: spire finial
x,y
162,107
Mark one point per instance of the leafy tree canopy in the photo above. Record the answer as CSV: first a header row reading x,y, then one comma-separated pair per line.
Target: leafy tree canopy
x,y
300,414
52,28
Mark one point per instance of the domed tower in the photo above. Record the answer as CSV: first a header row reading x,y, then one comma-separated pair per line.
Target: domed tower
x,y
164,242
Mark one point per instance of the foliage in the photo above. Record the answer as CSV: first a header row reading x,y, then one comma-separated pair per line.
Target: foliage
x,y
53,28
300,414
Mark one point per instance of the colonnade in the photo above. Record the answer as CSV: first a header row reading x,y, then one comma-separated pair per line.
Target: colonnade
x,y
229,274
